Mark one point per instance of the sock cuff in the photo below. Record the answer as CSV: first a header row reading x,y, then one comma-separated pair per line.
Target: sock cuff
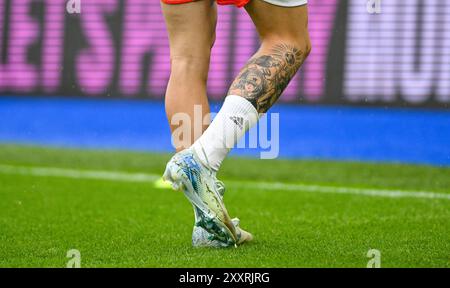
x,y
241,105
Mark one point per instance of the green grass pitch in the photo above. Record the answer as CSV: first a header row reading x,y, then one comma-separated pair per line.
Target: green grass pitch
x,y
115,223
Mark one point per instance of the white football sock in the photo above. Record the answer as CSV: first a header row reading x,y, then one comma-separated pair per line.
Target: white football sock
x,y
236,116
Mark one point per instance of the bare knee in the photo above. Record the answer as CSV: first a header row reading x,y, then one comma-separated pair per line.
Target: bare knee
x,y
302,43
305,45
191,60
190,67
299,42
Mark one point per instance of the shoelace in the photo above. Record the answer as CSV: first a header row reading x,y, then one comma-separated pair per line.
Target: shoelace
x,y
220,187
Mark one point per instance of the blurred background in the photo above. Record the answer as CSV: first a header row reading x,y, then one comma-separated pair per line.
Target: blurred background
x,y
375,88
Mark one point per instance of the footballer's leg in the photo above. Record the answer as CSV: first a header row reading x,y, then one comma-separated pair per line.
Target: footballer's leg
x,y
191,29
285,45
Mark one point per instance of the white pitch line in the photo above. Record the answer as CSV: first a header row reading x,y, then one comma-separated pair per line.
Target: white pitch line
x,y
343,190
151,178
78,174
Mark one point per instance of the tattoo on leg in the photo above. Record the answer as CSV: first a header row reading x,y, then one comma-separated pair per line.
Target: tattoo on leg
x,y
265,77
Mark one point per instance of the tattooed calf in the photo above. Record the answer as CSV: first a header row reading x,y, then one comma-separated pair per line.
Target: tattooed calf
x,y
265,77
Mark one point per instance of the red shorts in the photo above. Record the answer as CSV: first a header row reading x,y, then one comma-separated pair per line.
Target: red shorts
x,y
238,3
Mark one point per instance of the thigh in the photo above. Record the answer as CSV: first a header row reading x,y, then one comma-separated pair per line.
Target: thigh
x,y
278,21
191,28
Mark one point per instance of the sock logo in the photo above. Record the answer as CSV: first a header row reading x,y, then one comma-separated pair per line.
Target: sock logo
x,y
239,121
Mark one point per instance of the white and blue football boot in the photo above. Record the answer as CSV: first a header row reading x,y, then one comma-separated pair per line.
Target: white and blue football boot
x,y
202,238
199,184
